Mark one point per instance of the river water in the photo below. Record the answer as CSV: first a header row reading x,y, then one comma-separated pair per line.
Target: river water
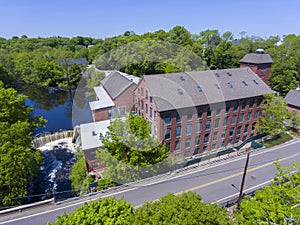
x,y
54,105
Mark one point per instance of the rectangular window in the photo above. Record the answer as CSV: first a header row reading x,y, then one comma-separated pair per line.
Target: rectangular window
x,y
198,127
146,94
231,131
178,131
200,112
139,91
239,130
188,143
188,129
109,113
208,112
155,116
168,133
251,103
228,107
167,119
189,115
248,116
244,103
197,141
213,146
178,118
223,133
206,138
215,137
177,144
217,123
150,112
225,121
219,108
236,106
142,92
256,115
241,118
246,128
207,125
146,108
150,99
233,119
196,151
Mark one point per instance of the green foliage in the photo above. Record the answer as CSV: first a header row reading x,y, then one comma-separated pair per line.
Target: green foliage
x,y
279,139
277,203
107,211
181,210
19,162
105,183
274,113
130,152
294,121
78,173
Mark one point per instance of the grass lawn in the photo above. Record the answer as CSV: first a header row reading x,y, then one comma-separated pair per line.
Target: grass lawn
x,y
284,137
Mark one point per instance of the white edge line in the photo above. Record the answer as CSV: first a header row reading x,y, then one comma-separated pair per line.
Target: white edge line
x,y
67,206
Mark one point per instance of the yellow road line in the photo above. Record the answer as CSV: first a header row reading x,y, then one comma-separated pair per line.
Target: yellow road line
x,y
228,177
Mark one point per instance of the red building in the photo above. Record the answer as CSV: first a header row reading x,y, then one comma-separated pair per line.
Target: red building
x,y
259,62
113,96
193,112
293,100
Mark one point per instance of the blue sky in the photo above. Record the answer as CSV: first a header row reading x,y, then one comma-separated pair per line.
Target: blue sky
x,y
100,19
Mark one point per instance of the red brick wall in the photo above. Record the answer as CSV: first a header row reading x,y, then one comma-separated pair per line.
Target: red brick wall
x,y
262,70
292,108
125,99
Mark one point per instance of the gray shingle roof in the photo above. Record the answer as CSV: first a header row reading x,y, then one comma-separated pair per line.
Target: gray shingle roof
x,y
69,62
256,58
189,89
115,84
293,98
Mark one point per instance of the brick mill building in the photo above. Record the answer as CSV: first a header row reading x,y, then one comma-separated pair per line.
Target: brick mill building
x,y
193,112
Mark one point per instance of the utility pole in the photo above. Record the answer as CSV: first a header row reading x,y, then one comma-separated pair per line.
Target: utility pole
x,y
243,181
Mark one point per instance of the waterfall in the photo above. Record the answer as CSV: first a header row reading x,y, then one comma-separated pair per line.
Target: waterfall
x,y
45,138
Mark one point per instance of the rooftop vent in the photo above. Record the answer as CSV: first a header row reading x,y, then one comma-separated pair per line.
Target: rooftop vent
x,y
229,85
255,81
218,87
182,78
260,51
199,88
179,91
245,83
229,74
217,75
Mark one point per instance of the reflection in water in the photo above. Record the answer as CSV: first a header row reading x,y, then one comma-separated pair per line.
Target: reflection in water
x,y
53,104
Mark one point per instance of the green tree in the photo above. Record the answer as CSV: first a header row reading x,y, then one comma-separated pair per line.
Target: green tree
x,y
277,203
130,152
180,35
274,114
19,161
107,211
181,210
78,173
294,121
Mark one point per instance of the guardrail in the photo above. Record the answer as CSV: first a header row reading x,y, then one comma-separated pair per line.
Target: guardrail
x,y
22,207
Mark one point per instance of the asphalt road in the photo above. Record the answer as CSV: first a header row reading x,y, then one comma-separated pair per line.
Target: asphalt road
x,y
212,181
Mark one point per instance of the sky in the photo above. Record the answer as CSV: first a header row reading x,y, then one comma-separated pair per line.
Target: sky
x,y
101,19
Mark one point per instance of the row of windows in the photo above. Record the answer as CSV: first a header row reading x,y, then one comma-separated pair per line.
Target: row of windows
x,y
214,137
217,120
167,118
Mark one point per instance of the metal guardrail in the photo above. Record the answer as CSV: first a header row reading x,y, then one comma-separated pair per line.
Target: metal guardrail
x,y
22,207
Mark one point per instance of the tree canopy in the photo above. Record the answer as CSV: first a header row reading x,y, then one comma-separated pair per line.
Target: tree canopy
x,y
274,114
277,203
130,152
19,161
